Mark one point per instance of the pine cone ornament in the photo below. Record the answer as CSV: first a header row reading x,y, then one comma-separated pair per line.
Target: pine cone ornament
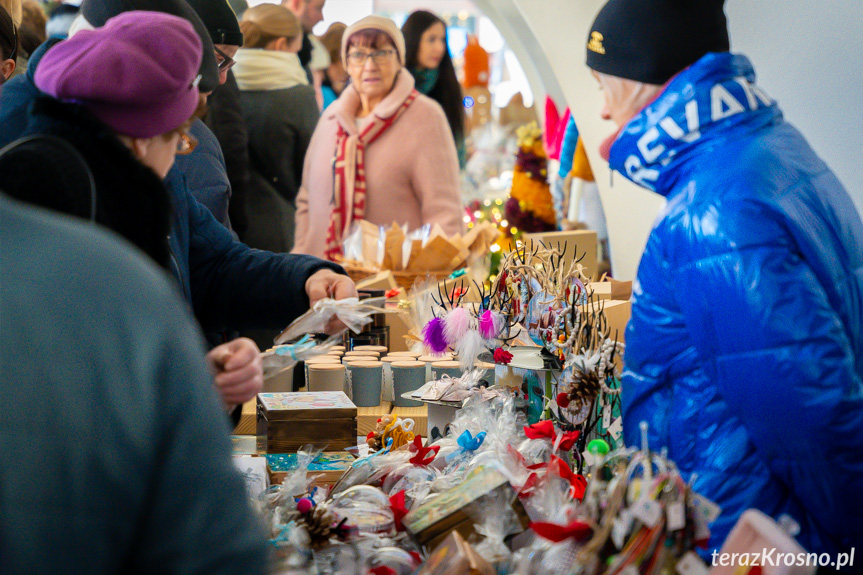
x,y
322,525
585,387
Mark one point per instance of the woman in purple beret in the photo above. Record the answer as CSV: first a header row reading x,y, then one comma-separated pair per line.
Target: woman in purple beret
x,y
122,96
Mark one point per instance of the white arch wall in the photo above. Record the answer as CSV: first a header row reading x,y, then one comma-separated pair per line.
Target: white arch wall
x,y
807,54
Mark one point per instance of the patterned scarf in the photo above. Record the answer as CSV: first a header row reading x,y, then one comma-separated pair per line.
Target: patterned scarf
x,y
349,182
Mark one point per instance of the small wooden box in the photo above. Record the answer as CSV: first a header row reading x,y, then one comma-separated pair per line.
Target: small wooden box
x,y
288,421
327,468
430,523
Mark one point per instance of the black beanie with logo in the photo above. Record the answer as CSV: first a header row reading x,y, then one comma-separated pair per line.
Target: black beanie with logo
x,y
652,40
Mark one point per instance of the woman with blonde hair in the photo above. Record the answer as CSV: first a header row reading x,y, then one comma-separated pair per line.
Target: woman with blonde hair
x,y
382,152
281,113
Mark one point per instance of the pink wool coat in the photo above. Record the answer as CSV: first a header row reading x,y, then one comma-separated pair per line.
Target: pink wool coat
x,y
412,173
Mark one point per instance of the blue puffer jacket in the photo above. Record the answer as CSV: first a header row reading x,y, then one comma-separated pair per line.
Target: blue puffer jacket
x,y
745,349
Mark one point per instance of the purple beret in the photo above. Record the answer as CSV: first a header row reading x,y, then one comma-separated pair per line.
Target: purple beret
x,y
138,73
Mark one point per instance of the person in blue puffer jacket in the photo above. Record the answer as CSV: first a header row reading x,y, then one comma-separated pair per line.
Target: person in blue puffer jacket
x,y
745,348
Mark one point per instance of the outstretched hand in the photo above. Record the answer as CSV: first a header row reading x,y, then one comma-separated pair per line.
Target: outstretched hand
x,y
328,284
239,373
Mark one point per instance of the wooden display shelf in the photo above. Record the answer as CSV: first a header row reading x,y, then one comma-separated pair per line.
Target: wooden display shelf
x,y
247,424
367,417
420,415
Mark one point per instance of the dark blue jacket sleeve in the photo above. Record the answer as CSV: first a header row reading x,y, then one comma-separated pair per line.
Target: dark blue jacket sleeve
x,y
237,287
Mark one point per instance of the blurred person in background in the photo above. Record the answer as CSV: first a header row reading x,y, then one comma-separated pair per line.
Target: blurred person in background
x,y
336,77
428,59
280,112
31,32
8,45
382,152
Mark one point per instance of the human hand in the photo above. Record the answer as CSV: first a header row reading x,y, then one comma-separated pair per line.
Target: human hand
x,y
239,372
328,284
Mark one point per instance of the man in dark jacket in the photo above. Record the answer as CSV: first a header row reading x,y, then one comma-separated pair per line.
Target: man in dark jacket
x,y
224,116
109,458
745,349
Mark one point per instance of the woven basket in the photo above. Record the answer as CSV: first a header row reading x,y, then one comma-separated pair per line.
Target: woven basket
x,y
404,279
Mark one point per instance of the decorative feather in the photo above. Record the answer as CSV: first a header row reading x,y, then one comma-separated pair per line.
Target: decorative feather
x,y
491,324
456,325
433,334
469,348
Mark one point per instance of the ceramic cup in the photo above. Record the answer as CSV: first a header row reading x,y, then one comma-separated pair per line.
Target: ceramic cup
x,y
407,376
447,367
379,349
366,379
318,359
326,377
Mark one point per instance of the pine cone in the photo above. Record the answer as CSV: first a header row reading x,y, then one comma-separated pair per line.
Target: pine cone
x,y
585,388
321,526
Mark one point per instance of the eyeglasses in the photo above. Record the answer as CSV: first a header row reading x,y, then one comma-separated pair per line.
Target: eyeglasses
x,y
378,57
226,63
187,143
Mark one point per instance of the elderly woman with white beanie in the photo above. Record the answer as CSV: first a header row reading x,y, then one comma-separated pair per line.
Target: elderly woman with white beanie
x,y
382,152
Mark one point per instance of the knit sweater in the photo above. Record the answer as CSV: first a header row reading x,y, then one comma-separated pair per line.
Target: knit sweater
x,y
411,170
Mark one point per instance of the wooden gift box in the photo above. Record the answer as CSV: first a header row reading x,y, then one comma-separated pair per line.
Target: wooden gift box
x,y
327,468
455,556
288,421
430,523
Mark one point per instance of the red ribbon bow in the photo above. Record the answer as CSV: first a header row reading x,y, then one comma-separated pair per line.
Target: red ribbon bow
x,y
382,570
422,453
502,356
545,430
397,504
577,483
577,530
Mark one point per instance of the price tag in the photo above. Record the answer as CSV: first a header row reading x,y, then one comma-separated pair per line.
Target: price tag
x,y
647,511
691,564
616,429
606,417
620,528
630,570
589,459
676,516
704,508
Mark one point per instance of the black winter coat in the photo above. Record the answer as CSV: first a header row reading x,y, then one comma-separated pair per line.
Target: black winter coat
x,y
131,199
280,125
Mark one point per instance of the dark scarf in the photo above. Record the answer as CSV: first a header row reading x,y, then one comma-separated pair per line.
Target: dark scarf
x,y
131,199
425,79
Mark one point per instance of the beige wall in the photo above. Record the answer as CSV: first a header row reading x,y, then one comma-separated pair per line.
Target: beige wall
x,y
629,210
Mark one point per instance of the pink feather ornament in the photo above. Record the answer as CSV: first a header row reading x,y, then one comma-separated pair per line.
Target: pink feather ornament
x,y
433,335
456,325
490,324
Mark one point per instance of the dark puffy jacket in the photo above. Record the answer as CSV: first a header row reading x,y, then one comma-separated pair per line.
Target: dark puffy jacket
x,y
745,349
204,170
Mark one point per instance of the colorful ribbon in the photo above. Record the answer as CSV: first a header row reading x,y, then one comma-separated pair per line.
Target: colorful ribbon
x,y
422,453
577,530
397,504
545,430
467,442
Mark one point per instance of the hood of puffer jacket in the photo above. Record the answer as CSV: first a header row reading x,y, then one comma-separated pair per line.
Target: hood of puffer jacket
x,y
712,99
